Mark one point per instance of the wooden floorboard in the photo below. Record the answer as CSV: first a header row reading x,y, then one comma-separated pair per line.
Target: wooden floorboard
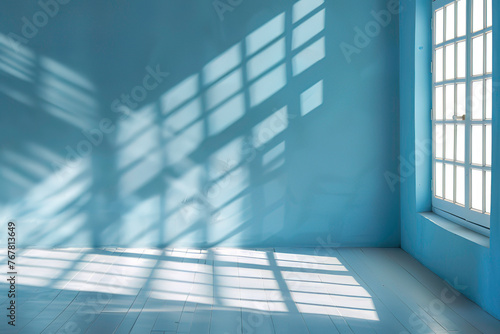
x,y
411,288
399,309
229,290
446,291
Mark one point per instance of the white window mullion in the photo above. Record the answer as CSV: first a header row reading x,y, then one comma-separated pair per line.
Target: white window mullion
x,y
468,108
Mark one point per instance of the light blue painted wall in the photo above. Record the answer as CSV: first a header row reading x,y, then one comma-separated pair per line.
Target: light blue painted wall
x,y
294,152
473,269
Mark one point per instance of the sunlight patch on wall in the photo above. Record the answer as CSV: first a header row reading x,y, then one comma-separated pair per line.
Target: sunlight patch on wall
x,y
134,125
308,29
267,86
222,65
303,7
265,34
144,140
226,115
309,56
180,94
311,98
224,89
17,95
178,148
270,127
66,94
260,63
140,173
64,72
14,67
184,203
147,212
275,156
181,119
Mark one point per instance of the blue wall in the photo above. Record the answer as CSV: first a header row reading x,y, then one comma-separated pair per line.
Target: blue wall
x,y
472,267
277,124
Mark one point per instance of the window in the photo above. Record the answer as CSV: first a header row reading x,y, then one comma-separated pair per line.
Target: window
x,y
462,109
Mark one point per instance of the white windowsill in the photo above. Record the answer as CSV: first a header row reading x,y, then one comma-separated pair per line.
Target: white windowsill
x,y
457,229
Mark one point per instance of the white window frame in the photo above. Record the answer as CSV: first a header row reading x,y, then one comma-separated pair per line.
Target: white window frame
x,y
462,214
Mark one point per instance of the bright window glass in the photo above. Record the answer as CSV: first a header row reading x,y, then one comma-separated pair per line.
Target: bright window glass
x,y
462,108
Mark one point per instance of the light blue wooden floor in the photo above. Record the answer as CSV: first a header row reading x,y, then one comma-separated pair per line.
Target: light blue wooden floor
x,y
226,291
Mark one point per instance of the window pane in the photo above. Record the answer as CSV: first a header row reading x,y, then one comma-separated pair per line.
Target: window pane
x,y
463,145
477,100
450,22
438,179
476,189
450,141
439,103
477,145
461,100
461,142
450,62
461,17
477,55
489,13
489,52
438,139
477,15
488,144
460,184
461,63
488,191
450,101
488,105
439,65
449,182
438,38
